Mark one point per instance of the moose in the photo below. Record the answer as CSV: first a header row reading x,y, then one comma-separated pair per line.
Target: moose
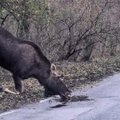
x,y
24,59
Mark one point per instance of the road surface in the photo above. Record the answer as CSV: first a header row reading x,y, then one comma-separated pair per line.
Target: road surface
x,y
104,104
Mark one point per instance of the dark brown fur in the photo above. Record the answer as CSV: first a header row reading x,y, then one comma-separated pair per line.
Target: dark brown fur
x,y
24,59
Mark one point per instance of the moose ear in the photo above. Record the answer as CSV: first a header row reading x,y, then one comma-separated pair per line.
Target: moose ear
x,y
53,67
55,72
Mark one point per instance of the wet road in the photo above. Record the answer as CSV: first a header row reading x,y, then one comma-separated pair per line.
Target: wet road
x,y
104,105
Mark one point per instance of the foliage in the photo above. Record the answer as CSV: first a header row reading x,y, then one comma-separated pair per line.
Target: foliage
x,y
74,30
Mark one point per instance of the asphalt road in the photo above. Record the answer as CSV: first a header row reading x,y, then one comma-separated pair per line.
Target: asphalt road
x,y
104,104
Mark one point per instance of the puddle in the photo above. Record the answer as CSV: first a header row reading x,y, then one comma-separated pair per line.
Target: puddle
x,y
79,98
74,98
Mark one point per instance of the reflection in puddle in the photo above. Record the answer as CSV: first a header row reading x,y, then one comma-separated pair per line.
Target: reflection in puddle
x,y
58,106
72,99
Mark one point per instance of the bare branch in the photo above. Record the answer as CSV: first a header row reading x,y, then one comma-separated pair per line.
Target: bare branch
x,y
3,19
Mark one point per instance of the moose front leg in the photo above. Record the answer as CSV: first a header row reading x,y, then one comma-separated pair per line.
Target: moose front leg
x,y
18,84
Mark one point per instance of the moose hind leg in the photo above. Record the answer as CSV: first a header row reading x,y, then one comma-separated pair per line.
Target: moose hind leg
x,y
18,84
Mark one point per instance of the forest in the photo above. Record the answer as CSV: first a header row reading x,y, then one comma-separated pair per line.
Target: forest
x,y
79,30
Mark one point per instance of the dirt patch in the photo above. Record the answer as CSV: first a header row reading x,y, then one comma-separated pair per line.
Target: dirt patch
x,y
33,93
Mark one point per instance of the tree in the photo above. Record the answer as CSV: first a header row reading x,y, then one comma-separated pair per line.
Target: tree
x,y
66,29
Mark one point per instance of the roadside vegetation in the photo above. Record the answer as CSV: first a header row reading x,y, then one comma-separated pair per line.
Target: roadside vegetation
x,y
76,75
